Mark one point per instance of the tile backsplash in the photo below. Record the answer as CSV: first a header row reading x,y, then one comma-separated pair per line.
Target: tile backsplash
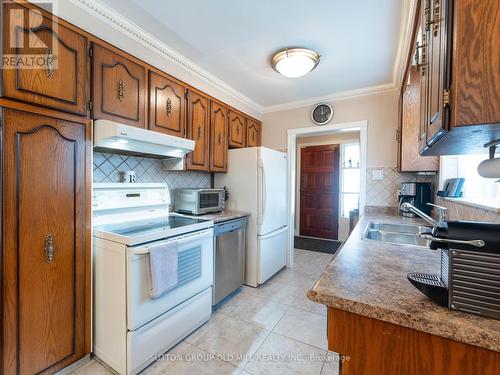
x,y
384,192
108,168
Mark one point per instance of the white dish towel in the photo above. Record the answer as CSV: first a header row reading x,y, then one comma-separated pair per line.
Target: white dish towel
x,y
162,268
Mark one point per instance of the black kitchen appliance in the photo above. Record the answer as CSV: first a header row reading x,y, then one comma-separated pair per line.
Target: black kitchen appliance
x,y
469,280
418,194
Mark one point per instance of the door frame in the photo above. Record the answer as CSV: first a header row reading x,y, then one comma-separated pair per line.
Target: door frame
x,y
341,143
362,127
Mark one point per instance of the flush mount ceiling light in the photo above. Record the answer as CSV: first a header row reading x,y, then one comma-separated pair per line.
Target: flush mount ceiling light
x,y
294,62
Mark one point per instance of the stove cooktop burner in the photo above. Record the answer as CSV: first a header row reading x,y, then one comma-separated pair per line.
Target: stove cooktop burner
x,y
134,232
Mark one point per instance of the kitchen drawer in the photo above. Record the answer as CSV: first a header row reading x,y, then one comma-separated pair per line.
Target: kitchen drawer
x,y
167,330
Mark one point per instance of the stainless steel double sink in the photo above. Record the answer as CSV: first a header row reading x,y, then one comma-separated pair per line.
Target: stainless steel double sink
x,y
399,234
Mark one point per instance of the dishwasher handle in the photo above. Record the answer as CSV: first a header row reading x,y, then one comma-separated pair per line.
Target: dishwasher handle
x,y
230,226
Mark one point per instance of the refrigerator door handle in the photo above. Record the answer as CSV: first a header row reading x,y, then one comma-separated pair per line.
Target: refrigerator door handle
x,y
263,189
261,208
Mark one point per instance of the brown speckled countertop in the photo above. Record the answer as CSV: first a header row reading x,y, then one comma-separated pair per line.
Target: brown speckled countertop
x,y
369,278
219,217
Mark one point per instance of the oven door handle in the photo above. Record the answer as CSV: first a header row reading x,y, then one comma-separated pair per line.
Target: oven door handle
x,y
142,250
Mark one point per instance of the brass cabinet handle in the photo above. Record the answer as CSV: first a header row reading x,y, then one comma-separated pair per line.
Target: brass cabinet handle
x,y
427,14
49,60
423,64
238,130
219,140
199,132
417,56
169,107
49,248
436,16
121,90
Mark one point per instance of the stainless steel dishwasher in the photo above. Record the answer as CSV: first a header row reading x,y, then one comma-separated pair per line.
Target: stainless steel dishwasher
x,y
230,244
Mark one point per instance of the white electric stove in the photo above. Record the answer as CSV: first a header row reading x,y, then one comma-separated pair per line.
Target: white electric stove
x,y
131,328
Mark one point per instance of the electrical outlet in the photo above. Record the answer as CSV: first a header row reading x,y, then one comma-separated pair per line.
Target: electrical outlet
x,y
378,174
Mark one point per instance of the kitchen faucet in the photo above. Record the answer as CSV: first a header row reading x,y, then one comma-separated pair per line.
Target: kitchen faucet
x,y
441,222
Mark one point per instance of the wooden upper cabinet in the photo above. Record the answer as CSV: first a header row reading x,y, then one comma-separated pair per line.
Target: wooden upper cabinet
x,y
436,28
198,129
475,90
254,133
119,88
410,159
219,123
167,105
54,57
45,256
460,88
237,130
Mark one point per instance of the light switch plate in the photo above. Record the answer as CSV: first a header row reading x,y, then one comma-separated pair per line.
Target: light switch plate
x,y
378,174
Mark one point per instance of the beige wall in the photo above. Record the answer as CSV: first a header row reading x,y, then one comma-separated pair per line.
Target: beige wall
x,y
380,110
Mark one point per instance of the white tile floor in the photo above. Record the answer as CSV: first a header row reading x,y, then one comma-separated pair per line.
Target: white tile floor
x,y
273,329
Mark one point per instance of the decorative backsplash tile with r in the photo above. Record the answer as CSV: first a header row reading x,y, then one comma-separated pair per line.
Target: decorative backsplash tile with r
x,y
108,168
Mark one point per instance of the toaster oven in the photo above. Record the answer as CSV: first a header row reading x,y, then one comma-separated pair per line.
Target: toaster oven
x,y
198,201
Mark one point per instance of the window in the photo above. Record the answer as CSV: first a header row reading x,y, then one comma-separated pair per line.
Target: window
x,y
350,178
477,189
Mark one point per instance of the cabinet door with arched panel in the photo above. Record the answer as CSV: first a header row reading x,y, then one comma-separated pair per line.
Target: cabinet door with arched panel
x,y
44,62
198,129
119,88
254,133
167,105
219,122
237,130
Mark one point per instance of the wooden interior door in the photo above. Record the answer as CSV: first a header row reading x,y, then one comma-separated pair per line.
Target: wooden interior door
x,y
319,191
218,143
60,79
119,88
199,132
44,245
167,106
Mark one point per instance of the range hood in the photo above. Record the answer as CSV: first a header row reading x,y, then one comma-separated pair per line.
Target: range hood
x,y
110,136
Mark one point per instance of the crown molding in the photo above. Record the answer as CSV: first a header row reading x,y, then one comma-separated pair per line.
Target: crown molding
x,y
386,87
114,19
130,29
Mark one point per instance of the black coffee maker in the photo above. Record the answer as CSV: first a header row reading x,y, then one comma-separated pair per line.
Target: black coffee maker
x,y
418,194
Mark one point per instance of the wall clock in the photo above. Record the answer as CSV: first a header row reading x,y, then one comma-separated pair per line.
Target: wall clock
x,y
322,114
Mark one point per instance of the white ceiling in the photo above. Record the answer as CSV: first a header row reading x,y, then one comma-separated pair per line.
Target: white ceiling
x,y
234,40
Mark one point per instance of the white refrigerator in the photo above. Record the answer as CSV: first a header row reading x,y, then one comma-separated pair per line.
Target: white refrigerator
x,y
257,183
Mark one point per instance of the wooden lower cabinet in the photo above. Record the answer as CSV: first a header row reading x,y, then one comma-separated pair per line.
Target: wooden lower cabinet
x,y
198,129
45,256
219,122
370,346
